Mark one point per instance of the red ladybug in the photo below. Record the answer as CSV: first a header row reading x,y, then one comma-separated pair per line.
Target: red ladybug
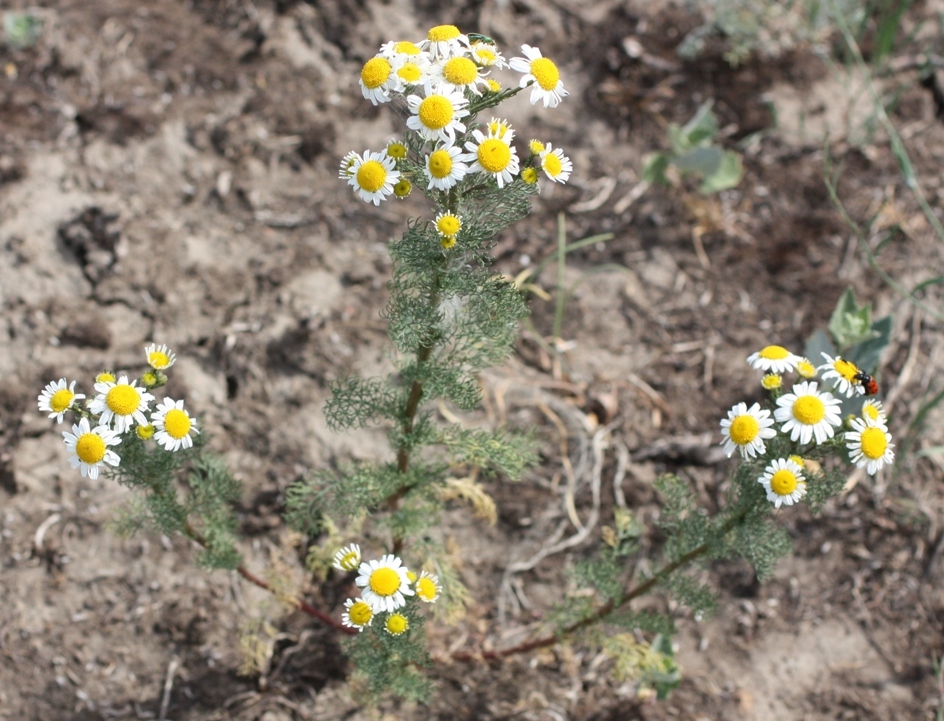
x,y
868,383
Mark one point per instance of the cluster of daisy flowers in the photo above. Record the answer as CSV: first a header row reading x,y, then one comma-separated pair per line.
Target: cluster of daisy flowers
x,y
389,590
809,416
443,82
119,407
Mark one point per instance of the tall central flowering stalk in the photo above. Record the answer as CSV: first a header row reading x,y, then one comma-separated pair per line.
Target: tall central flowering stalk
x,y
450,316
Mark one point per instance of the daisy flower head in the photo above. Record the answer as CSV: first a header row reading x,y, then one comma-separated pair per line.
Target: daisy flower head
x,y
357,614
121,402
771,381
529,176
397,624
412,73
427,587
457,73
869,444
89,447
106,377
805,369
348,558
348,163
448,225
145,433
492,155
842,374
444,41
174,425
492,85
57,398
373,176
745,430
159,357
396,150
535,146
400,49
485,55
448,243
808,413
403,188
385,583
444,168
873,410
784,482
499,128
378,79
774,359
555,164
438,116
543,73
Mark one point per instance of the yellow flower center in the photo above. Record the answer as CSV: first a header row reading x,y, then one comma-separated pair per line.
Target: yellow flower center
x,y
447,243
349,560
403,188
90,448
145,432
158,360
536,146
460,71
397,151
371,176
410,73
494,155
405,47
497,128
775,352
798,460
123,400
385,582
397,624
426,589
771,381
493,85
360,613
441,33
846,369
551,165
61,400
105,378
870,411
176,423
809,410
874,443
529,176
485,56
375,73
806,369
545,73
435,112
448,226
440,164
744,429
783,482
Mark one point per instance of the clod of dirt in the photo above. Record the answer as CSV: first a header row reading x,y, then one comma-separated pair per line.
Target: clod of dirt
x,y
92,241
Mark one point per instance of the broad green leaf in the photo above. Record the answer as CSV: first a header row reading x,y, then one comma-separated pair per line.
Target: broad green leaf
x,y
654,167
728,174
704,161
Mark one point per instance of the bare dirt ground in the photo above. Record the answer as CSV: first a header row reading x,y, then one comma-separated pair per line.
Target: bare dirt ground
x,y
169,173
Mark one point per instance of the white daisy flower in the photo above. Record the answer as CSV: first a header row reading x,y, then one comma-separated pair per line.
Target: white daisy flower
x,y
842,375
745,430
348,558
774,359
547,85
385,583
89,447
498,128
444,168
348,163
805,369
485,55
402,50
873,410
411,73
121,402
869,444
448,225
807,413
174,425
444,41
357,614
437,117
555,164
57,398
492,155
373,176
784,482
378,80
159,357
397,624
427,587
458,73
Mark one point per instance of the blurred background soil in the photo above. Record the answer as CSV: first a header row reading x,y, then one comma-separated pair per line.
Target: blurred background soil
x,y
168,172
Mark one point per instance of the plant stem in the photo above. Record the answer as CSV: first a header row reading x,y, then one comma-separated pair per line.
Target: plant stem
x,y
198,537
